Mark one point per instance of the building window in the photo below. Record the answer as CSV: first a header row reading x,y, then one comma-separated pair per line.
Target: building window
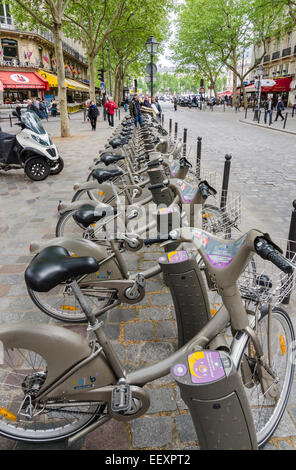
x,y
5,17
289,37
277,46
9,49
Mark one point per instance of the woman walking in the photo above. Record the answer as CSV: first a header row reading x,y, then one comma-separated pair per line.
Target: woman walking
x,y
110,107
93,113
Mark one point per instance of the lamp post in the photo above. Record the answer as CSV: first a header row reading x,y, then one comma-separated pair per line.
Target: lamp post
x,y
259,74
109,57
151,48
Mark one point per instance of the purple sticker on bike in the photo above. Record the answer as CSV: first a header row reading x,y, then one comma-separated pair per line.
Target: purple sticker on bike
x,y
205,367
180,370
219,261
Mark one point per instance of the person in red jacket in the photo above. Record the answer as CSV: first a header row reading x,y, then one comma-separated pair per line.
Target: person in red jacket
x,y
110,107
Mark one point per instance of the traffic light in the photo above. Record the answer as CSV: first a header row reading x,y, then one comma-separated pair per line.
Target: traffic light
x,y
101,75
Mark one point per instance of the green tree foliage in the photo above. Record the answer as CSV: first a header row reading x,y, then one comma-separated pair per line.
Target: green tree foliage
x,y
219,32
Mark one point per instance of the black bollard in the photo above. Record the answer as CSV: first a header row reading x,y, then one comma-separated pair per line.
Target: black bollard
x,y
176,131
224,107
225,182
259,116
285,121
291,249
10,120
246,113
119,114
184,142
162,119
198,157
293,110
170,126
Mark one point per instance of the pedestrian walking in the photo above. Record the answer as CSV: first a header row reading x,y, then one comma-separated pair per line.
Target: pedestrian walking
x,y
279,108
110,107
31,108
93,114
125,105
54,108
237,104
18,111
175,103
135,110
268,108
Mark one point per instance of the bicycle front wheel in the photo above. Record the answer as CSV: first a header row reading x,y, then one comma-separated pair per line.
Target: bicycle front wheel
x,y
277,342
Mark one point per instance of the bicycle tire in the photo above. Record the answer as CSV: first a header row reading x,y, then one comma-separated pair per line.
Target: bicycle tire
x,y
19,367
278,315
60,304
74,229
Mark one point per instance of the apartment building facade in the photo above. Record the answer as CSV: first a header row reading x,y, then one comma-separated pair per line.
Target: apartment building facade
x,y
28,65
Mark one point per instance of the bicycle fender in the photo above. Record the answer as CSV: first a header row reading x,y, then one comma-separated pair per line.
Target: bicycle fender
x,y
61,348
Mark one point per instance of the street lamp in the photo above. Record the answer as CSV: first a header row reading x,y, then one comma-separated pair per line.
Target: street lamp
x,y
151,48
259,74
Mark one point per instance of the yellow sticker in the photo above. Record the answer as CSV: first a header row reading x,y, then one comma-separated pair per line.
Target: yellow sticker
x,y
206,216
74,255
101,193
192,360
213,312
283,345
6,414
68,307
171,254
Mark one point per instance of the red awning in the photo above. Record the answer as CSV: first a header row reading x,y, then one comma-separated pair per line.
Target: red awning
x,y
23,80
282,84
225,93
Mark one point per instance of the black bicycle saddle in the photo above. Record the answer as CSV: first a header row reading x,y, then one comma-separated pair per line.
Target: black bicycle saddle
x,y
87,214
101,174
109,158
54,265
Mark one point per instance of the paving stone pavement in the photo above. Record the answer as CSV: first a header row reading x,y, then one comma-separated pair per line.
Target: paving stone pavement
x,y
145,332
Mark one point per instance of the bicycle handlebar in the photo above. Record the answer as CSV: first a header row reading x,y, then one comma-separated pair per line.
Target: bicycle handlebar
x,y
267,251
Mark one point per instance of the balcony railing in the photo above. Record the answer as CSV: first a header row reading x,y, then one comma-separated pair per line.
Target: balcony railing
x,y
286,51
266,58
276,55
7,23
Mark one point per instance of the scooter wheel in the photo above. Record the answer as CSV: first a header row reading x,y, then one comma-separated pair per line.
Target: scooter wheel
x,y
37,169
58,167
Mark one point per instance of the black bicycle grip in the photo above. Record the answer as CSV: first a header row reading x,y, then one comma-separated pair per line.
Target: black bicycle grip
x,y
157,186
268,252
153,164
204,190
151,241
278,260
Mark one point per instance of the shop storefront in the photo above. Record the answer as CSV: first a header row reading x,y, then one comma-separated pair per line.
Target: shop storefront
x,y
280,87
77,93
22,85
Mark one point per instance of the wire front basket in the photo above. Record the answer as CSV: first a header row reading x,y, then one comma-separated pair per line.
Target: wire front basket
x,y
220,221
263,282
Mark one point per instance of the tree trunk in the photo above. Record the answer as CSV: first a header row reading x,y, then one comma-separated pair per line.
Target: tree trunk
x,y
234,78
62,90
91,69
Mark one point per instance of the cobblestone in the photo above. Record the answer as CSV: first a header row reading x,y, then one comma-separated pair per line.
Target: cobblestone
x,y
144,333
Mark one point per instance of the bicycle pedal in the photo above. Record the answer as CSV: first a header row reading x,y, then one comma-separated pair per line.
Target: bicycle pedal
x,y
121,398
141,280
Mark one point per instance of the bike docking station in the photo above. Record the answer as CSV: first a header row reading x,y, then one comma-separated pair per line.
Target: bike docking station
x,y
212,389
184,279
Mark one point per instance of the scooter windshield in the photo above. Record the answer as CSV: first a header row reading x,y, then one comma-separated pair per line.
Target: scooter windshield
x,y
33,123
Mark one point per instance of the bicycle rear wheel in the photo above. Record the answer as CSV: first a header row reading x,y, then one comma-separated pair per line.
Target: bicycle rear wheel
x,y
22,375
61,304
268,408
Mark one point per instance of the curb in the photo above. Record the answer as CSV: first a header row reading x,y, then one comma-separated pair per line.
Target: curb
x,y
267,127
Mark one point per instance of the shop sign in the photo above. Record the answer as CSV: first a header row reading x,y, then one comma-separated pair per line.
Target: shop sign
x,y
19,78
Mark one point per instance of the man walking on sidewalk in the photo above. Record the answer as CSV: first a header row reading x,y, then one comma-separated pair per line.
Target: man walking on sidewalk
x,y
279,108
268,107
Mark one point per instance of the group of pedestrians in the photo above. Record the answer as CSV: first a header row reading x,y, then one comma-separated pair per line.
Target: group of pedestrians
x,y
137,107
269,108
38,106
